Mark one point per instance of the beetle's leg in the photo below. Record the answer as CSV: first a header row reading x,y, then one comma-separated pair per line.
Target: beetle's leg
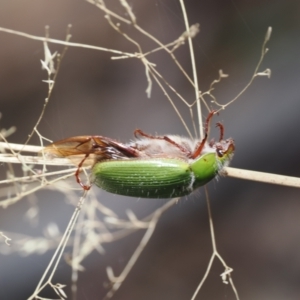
x,y
207,121
221,127
166,138
138,132
182,149
200,146
85,187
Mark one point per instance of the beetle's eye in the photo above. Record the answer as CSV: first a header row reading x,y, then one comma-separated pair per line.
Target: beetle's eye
x,y
220,152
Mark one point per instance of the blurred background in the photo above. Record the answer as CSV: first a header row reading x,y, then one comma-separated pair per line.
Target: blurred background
x,y
257,225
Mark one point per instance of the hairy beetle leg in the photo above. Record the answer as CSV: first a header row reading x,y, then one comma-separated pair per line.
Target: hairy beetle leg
x,y
200,147
84,186
182,149
166,138
138,132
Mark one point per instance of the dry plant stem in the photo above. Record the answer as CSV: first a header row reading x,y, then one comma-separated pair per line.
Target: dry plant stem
x,y
27,159
267,72
186,22
59,251
51,81
171,102
14,157
228,270
29,178
87,238
90,223
211,88
19,191
190,106
139,55
162,209
76,250
262,177
148,66
54,41
20,147
22,194
118,280
132,21
100,4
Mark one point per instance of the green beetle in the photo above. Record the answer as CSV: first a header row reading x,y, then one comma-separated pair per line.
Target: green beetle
x,y
150,166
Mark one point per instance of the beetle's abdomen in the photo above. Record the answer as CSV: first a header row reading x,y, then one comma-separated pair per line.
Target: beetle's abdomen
x,y
152,178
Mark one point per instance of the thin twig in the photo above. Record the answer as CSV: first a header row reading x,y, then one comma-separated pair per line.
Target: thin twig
x,y
60,42
262,177
59,251
192,55
118,280
225,275
266,72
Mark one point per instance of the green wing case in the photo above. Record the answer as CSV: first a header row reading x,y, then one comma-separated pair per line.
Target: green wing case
x,y
154,178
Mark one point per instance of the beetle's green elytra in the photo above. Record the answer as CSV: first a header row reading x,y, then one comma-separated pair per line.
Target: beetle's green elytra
x,y
150,166
152,178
